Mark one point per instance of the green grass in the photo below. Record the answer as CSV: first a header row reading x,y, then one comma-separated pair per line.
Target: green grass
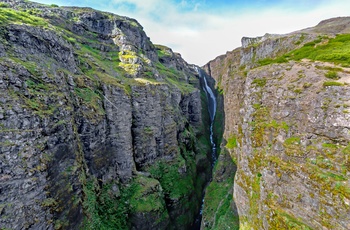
x,y
175,185
13,16
283,220
332,176
259,82
36,100
4,5
226,218
99,60
105,211
332,83
184,87
173,77
231,142
110,62
332,75
329,145
101,66
292,141
37,87
146,197
90,98
32,67
346,150
335,50
330,68
162,51
267,61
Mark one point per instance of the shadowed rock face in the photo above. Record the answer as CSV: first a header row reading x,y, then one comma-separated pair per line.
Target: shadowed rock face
x,y
290,126
90,112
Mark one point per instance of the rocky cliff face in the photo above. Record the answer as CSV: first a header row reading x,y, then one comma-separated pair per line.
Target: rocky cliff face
x,y
96,124
287,123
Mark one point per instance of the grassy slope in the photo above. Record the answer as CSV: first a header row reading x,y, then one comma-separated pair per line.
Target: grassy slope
x,y
335,50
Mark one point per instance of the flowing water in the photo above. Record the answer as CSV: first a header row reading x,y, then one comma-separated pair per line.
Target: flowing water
x,y
212,110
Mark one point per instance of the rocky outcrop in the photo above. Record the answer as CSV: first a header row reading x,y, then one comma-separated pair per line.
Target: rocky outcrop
x,y
287,128
96,124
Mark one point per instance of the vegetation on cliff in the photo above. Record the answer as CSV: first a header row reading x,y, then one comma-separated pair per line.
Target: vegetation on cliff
x,y
103,128
286,125
325,48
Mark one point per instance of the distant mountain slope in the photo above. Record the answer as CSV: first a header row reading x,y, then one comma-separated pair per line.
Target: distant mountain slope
x,y
331,26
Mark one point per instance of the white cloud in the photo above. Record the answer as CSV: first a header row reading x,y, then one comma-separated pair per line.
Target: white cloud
x,y
202,35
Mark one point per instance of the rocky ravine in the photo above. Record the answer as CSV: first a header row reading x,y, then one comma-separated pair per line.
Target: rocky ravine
x,y
99,128
287,126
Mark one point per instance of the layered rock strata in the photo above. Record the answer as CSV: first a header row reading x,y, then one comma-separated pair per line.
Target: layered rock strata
x,y
286,100
99,128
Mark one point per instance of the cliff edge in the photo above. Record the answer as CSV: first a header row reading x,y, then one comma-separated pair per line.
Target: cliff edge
x,y
99,128
287,123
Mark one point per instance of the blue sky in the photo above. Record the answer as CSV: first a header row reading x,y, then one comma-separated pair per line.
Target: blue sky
x,y
202,29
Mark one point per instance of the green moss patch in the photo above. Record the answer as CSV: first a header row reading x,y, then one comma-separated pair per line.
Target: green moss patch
x,y
259,82
332,75
332,83
282,220
231,142
91,99
335,50
175,184
148,196
163,51
8,15
292,141
175,78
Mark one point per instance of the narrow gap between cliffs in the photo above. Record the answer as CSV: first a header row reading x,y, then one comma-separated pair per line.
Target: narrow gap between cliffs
x,y
212,111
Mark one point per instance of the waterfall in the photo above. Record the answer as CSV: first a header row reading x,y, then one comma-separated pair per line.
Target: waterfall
x,y
212,110
211,98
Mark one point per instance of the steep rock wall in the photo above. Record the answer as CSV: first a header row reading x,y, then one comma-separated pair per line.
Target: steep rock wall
x,y
91,113
287,127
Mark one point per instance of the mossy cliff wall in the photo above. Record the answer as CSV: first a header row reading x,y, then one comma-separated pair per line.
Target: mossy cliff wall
x,y
287,126
99,128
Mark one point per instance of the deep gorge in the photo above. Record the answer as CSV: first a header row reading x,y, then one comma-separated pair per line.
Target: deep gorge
x,y
102,129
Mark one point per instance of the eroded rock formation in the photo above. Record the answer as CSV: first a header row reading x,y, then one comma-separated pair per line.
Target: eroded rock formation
x,y
287,124
99,128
